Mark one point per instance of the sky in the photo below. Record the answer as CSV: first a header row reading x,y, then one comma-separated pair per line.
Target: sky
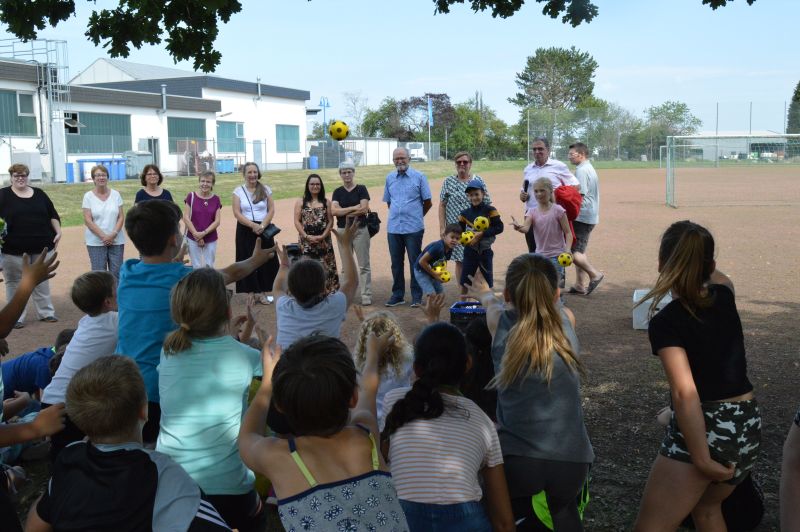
x,y
736,58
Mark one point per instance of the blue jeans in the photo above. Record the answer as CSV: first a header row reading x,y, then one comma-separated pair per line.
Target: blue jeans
x,y
428,284
400,245
463,517
473,260
560,271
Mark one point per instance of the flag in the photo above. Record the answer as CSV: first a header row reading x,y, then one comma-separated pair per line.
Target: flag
x,y
430,112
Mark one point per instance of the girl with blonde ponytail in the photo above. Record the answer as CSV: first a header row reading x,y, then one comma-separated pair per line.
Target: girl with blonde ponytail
x,y
204,375
714,432
545,445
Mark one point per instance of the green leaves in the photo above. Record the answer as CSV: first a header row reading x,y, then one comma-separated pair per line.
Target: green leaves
x,y
555,78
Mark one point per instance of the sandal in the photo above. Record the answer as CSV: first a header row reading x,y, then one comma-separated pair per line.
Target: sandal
x,y
49,319
594,284
573,290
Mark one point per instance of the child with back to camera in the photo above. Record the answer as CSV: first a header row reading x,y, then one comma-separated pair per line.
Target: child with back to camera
x,y
441,443
201,360
714,434
329,475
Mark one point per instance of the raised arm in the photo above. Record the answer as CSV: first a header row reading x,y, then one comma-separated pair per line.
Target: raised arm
x,y
349,285
481,291
40,270
240,270
252,443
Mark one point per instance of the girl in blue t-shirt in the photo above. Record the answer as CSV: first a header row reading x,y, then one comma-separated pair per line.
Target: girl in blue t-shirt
x,y
714,433
203,379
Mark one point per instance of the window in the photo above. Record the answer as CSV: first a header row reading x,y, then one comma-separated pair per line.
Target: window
x,y
12,121
97,132
71,123
230,136
25,104
288,138
240,130
185,129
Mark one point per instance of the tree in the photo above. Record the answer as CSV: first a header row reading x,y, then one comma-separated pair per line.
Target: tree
x,y
191,26
355,106
668,119
793,120
574,11
555,78
477,129
388,121
407,119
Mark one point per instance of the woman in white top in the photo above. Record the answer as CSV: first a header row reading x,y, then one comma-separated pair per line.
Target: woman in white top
x,y
254,209
104,216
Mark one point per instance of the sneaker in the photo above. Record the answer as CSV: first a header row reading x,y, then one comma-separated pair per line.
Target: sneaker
x,y
416,304
19,325
49,319
394,302
365,302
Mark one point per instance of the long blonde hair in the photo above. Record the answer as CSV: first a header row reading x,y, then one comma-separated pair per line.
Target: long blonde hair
x,y
396,356
199,305
538,334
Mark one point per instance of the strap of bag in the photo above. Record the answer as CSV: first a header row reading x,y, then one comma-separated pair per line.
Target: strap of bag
x,y
252,213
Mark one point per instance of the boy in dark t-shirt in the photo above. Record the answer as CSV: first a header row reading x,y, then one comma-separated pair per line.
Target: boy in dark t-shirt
x,y
430,269
478,252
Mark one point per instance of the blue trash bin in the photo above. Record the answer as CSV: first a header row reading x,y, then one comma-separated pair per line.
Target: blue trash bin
x,y
313,162
70,173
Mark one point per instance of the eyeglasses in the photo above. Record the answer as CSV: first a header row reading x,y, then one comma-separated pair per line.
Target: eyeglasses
x,y
461,163
19,176
314,185
538,149
100,175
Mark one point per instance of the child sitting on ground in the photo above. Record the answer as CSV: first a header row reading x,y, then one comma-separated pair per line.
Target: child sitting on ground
x,y
31,372
202,360
330,474
478,252
440,443
94,293
111,482
431,265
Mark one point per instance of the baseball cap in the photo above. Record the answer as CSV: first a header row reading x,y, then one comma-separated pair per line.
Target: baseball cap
x,y
474,184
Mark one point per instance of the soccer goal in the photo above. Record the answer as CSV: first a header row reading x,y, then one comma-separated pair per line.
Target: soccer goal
x,y
733,170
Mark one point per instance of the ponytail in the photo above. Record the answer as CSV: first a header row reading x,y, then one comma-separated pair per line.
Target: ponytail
x,y
199,304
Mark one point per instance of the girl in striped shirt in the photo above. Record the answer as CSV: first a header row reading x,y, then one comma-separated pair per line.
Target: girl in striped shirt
x,y
441,442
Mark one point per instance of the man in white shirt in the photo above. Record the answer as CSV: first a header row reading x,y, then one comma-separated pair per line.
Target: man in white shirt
x,y
587,277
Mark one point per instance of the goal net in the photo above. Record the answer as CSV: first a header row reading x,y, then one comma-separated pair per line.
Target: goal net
x,y
733,170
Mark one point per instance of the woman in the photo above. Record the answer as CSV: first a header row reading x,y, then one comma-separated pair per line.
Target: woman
x,y
537,375
151,179
201,218
104,216
314,220
453,199
33,226
254,209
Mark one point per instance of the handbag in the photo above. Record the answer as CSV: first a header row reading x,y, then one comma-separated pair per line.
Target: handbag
x,y
269,231
373,223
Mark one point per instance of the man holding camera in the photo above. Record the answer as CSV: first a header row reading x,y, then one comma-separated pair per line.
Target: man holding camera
x,y
351,199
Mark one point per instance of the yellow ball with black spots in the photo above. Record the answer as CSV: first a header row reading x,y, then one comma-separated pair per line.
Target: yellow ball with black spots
x,y
444,276
481,223
565,259
466,237
439,268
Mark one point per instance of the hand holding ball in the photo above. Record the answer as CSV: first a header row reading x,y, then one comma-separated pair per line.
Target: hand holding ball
x,y
565,259
439,268
338,130
466,237
481,223
444,276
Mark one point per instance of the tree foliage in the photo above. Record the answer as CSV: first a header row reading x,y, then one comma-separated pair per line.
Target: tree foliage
x,y
477,129
406,119
189,27
793,120
555,78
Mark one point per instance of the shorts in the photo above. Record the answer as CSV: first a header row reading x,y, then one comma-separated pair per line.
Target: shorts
x,y
582,232
733,432
428,284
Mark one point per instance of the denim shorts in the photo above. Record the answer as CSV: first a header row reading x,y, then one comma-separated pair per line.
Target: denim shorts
x,y
733,432
428,284
461,517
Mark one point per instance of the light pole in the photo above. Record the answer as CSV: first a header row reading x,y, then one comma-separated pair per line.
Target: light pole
x,y
324,103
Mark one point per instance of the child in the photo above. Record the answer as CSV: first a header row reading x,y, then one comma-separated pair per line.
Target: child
x,y
111,482
32,372
435,254
200,360
144,291
550,225
394,365
94,293
478,253
713,437
440,443
330,474
475,385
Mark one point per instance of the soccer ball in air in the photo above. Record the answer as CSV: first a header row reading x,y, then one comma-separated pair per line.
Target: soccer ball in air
x,y
481,223
338,130
565,259
439,268
466,238
444,276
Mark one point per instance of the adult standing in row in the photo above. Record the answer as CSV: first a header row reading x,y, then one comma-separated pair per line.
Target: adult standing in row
x,y
542,166
314,223
409,198
453,199
104,216
202,217
352,199
254,208
32,224
151,180
586,276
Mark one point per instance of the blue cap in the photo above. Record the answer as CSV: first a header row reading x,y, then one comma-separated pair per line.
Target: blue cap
x,y
474,184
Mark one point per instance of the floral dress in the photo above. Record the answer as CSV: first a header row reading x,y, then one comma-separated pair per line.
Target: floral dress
x,y
315,220
454,191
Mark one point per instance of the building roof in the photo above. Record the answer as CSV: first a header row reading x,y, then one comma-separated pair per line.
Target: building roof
x,y
100,95
142,71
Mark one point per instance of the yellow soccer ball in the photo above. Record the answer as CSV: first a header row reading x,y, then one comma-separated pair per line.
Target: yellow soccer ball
x,y
466,237
481,223
439,268
338,130
444,276
565,259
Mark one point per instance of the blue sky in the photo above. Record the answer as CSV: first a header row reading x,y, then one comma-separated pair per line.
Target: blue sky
x,y
648,51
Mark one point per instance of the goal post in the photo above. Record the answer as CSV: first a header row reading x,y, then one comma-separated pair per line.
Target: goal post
x,y
700,166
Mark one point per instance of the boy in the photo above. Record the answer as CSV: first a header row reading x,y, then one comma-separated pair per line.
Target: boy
x,y
436,254
32,372
94,293
112,482
144,291
478,253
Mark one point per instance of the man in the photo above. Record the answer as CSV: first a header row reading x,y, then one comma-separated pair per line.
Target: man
x,y
586,276
409,198
351,199
542,166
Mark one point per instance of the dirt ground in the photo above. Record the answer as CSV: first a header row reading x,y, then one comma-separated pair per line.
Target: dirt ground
x,y
757,245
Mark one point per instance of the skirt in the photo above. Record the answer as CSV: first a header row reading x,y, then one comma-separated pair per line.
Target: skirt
x,y
260,280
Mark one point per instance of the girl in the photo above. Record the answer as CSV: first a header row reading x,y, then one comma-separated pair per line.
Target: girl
x,y
201,218
204,376
537,376
394,365
103,216
440,443
550,225
314,222
714,432
329,475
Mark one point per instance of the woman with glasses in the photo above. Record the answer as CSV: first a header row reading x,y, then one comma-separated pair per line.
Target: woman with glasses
x,y
32,227
104,217
314,221
151,179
